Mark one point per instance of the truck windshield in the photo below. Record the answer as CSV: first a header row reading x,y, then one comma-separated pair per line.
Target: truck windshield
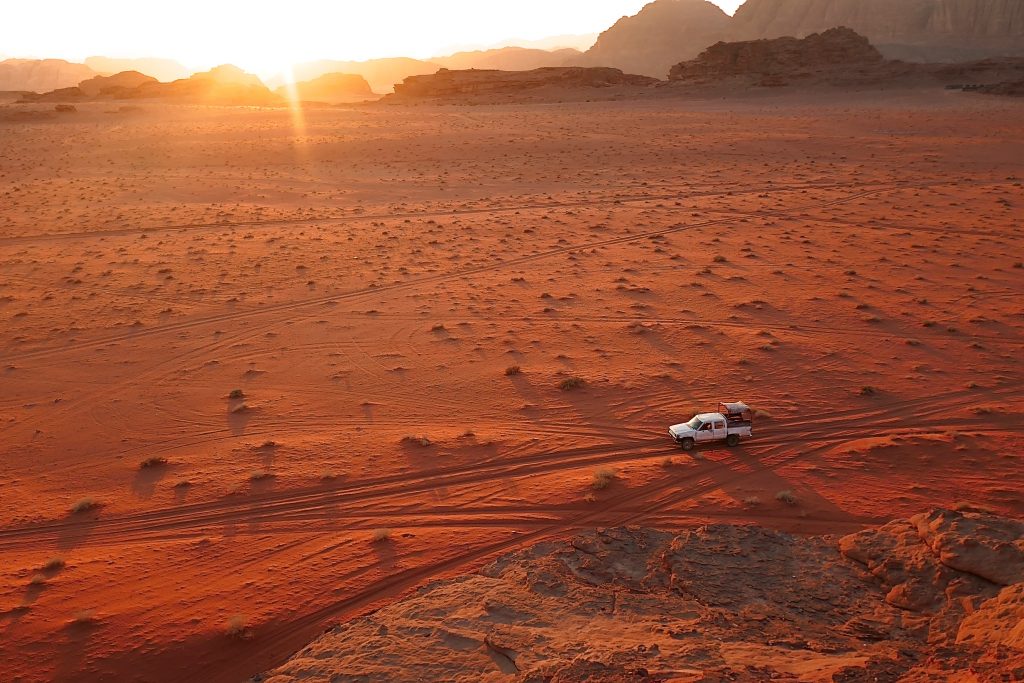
x,y
694,423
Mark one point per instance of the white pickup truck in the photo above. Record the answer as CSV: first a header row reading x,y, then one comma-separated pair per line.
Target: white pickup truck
x,y
732,422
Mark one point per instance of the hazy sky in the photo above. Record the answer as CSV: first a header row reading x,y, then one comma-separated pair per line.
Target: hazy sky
x,y
267,35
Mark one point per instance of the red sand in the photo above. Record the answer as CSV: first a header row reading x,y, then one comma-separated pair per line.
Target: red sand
x,y
366,275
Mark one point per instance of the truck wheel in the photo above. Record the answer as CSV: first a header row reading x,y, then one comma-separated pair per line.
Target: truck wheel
x,y
732,440
687,444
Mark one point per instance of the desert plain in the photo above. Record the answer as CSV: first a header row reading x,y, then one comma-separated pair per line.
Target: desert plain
x,y
265,370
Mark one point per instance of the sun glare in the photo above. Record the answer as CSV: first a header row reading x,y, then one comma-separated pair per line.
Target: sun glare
x,y
262,39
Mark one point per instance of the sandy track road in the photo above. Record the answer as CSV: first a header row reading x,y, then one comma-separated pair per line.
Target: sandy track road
x,y
896,418
643,505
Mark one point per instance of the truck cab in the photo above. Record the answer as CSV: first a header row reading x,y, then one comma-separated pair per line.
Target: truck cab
x,y
732,422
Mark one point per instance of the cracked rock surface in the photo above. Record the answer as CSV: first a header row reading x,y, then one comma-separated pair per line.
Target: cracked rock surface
x,y
936,597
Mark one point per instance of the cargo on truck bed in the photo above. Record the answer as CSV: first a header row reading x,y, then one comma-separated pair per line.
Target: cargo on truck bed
x,y
732,422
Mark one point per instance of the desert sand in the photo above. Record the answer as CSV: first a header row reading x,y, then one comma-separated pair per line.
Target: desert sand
x,y
264,370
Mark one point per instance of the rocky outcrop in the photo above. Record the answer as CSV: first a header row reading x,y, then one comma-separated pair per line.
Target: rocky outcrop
x,y
482,82
330,88
920,599
837,57
118,86
114,85
835,49
41,75
161,69
915,30
660,35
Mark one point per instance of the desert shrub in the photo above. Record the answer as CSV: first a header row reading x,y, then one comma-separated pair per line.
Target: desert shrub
x,y
752,501
237,626
236,394
868,390
84,505
54,564
380,535
720,259
602,478
420,441
786,497
155,461
261,475
570,383
513,370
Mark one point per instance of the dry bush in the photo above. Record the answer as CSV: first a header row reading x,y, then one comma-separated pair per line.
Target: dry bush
x,y
380,535
786,497
752,501
236,394
54,564
570,383
237,627
603,478
512,370
420,441
84,505
84,617
155,461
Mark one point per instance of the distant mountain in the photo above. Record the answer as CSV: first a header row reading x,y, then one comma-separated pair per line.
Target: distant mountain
x,y
41,75
382,74
160,69
666,32
331,88
662,34
576,41
508,59
916,30
223,85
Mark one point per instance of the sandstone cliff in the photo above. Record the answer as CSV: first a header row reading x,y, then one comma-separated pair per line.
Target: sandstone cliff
x,y
666,32
918,30
837,57
483,82
937,597
838,50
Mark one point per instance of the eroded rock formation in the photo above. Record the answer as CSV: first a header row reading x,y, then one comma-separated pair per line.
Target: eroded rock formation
x,y
933,598
476,82
329,88
915,30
